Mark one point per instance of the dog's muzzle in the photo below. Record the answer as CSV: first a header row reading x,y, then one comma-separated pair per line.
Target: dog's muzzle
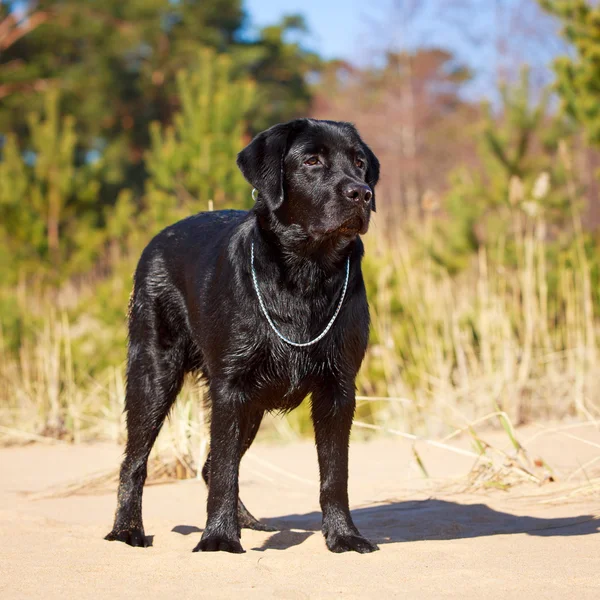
x,y
359,193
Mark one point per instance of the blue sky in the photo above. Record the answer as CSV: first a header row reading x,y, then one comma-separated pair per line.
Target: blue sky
x,y
336,25
354,29
361,30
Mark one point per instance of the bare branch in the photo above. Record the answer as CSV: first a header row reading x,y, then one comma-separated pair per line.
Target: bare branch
x,y
12,30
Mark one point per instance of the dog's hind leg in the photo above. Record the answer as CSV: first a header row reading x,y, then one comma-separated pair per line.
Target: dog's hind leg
x,y
154,377
245,517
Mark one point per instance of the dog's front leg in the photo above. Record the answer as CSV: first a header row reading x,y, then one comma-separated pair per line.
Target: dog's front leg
x,y
226,438
332,413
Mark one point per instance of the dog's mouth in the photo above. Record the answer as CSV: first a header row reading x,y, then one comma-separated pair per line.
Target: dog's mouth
x,y
352,226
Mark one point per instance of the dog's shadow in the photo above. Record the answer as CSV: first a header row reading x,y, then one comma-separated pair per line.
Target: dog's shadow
x,y
432,519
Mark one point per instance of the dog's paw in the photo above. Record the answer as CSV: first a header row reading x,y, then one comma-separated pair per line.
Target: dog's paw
x,y
350,543
219,543
133,537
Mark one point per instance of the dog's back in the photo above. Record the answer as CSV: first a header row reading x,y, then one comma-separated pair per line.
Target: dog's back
x,y
187,248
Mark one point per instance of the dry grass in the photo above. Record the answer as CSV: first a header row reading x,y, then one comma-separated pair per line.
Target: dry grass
x,y
522,337
504,342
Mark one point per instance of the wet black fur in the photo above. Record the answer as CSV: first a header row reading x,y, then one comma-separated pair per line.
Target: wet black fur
x,y
194,309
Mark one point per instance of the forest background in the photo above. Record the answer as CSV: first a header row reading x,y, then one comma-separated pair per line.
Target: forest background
x,y
483,264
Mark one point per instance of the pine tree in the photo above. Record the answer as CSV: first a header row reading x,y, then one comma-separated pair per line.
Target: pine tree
x,y
520,169
116,62
578,75
48,216
192,161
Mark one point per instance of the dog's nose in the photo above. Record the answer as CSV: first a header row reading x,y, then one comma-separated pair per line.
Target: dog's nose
x,y
359,193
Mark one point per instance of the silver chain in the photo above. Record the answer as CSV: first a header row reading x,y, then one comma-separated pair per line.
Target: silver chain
x,y
264,309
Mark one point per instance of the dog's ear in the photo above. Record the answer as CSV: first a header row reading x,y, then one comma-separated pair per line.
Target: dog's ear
x,y
261,163
372,175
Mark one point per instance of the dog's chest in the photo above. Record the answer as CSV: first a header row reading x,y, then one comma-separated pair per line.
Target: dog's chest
x,y
280,376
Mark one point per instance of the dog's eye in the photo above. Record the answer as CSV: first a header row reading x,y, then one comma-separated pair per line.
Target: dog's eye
x,y
359,163
312,161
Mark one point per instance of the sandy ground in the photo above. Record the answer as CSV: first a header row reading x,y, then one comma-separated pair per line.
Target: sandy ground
x,y
437,539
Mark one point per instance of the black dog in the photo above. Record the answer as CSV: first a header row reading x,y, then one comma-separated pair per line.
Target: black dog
x,y
217,292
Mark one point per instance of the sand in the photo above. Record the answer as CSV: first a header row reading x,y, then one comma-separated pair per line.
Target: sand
x,y
437,538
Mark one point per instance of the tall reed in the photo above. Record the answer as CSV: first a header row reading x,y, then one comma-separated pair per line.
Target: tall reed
x,y
515,332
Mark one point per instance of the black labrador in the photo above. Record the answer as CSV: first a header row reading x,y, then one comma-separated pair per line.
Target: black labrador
x,y
269,306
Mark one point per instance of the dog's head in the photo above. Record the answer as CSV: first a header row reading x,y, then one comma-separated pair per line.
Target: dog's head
x,y
316,176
